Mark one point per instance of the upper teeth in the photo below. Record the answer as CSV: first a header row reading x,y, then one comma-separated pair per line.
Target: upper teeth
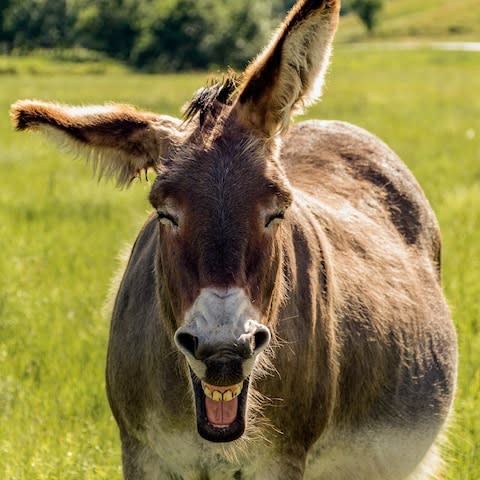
x,y
222,394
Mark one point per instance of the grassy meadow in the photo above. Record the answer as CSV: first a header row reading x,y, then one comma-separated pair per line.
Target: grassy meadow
x,y
429,19
61,232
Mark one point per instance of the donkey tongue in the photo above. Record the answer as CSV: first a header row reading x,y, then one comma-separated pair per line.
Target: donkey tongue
x,y
221,414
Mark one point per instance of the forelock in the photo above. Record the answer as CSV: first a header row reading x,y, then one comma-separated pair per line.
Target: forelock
x,y
210,100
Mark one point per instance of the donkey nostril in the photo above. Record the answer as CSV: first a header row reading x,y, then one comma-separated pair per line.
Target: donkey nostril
x,y
261,339
187,342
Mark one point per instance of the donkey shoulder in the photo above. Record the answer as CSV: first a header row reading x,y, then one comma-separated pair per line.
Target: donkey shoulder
x,y
333,159
136,301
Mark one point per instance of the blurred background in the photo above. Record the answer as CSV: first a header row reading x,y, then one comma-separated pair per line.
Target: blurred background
x,y
406,70
174,35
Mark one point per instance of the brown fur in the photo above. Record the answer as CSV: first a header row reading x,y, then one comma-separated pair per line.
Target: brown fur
x,y
349,282
120,141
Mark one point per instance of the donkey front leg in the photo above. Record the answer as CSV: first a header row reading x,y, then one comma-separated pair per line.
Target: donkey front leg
x,y
281,467
133,459
140,462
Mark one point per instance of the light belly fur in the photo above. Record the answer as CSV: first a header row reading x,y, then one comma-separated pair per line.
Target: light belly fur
x,y
379,453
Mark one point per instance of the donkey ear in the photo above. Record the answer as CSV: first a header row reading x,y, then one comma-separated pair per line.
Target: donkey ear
x,y
119,140
289,73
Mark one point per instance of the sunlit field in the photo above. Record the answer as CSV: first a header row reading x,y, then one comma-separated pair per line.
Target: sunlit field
x,y
61,233
418,21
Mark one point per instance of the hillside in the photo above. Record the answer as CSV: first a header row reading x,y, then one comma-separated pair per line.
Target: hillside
x,y
425,20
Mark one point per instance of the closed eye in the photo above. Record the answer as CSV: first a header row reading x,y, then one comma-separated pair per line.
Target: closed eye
x,y
276,217
167,218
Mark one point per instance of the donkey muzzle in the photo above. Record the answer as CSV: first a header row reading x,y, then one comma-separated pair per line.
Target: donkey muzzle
x,y
221,359
221,339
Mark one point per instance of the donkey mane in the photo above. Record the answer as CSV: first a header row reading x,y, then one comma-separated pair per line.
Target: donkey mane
x,y
206,100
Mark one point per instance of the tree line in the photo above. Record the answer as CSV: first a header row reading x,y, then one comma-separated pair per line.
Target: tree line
x,y
152,35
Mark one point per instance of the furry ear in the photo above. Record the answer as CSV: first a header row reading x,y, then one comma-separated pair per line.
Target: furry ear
x,y
119,140
289,73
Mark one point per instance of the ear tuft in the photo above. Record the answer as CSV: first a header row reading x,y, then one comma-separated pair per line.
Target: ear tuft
x,y
19,115
26,114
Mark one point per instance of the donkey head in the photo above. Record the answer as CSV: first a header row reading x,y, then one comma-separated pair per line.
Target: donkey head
x,y
222,201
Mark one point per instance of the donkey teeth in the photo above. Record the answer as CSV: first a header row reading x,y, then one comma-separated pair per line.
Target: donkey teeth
x,y
237,389
226,396
207,391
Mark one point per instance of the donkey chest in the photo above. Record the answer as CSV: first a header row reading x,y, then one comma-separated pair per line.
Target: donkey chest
x,y
382,454
183,455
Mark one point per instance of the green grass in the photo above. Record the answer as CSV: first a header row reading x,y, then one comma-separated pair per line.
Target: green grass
x,y
428,19
74,61
61,231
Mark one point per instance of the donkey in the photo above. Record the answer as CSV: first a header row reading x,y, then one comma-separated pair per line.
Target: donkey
x,y
281,314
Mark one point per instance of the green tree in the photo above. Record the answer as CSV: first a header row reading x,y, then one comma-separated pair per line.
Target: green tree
x,y
37,23
5,37
281,7
367,11
196,34
109,26
148,34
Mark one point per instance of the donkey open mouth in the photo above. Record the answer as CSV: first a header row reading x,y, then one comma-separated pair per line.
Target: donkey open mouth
x,y
221,410
221,340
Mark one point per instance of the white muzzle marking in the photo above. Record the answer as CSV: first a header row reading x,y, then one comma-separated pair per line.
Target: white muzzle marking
x,y
224,318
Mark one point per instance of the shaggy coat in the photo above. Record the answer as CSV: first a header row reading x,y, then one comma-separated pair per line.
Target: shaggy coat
x,y
280,315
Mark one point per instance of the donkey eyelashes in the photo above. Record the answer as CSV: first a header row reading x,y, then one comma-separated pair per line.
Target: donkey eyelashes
x,y
276,217
167,218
